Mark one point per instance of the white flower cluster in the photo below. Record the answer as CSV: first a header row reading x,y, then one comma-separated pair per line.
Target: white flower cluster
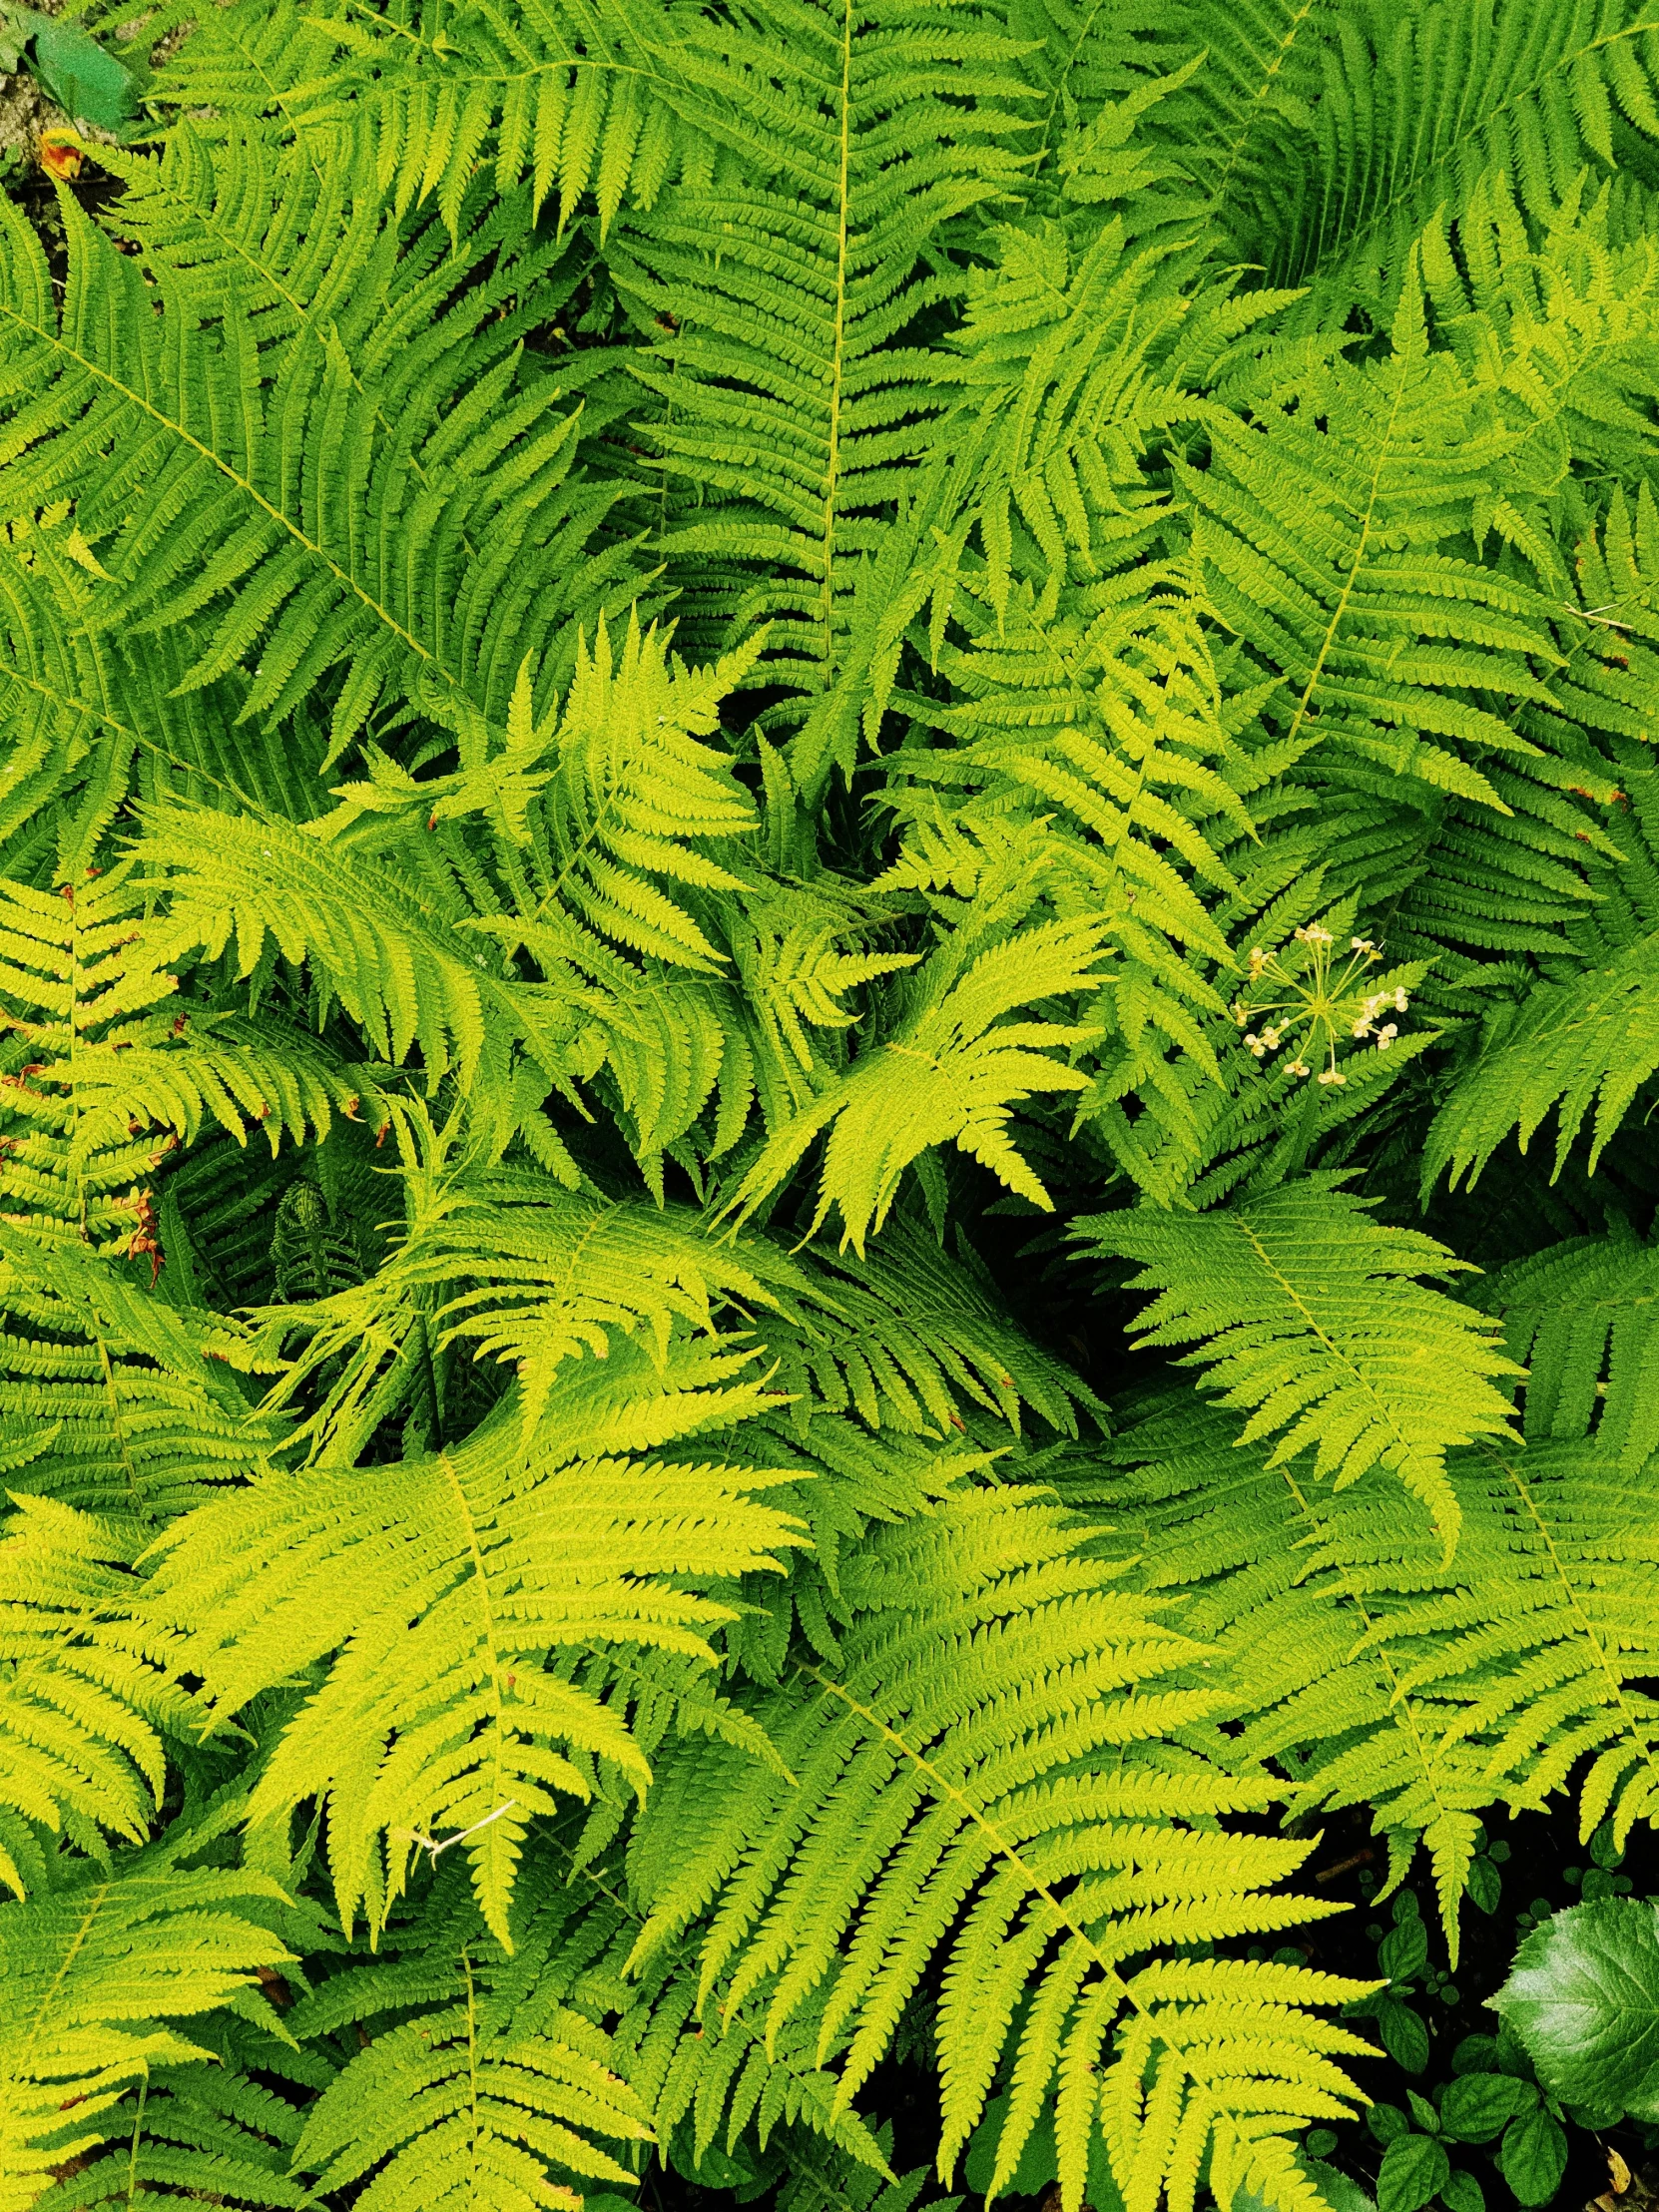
x,y
1317,1006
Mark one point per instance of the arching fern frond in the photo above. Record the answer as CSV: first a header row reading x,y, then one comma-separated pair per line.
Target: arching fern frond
x,y
1308,1312
459,2087
1569,1047
926,1822
207,517
580,97
1324,530
129,1397
508,1554
80,1750
1385,114
105,1070
950,1073
89,1971
1367,1669
207,2128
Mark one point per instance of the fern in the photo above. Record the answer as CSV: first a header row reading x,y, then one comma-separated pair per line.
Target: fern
x,y
1571,1312
1571,1047
81,1753
792,394
277,573
931,1768
455,2090
674,682
1302,1307
1365,1669
477,1751
88,1969
1382,117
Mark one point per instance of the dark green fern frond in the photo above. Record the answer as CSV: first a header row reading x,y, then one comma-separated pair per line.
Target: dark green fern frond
x,y
206,516
1569,1047
1581,1315
1383,115
795,393
1308,1312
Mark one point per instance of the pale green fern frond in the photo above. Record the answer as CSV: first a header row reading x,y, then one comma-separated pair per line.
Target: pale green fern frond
x,y
130,1399
508,1553
1371,1671
80,1750
930,1821
951,1075
209,2128
457,2090
90,1971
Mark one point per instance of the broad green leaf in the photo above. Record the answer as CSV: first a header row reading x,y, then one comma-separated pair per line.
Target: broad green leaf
x,y
1583,1996
1414,2169
1535,2157
89,84
1477,2106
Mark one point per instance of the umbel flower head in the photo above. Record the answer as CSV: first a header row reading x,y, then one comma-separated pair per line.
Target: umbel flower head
x,y
1314,1007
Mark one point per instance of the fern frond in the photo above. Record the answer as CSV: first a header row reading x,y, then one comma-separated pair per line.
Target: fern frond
x,y
928,1823
80,1750
1571,1046
222,2124
1307,1312
509,1551
1582,1315
1323,534
205,517
1382,117
1371,1671
582,100
951,1075
795,394
135,1414
455,2090
88,1970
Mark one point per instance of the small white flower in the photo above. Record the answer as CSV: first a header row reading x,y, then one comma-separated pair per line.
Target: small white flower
x,y
1401,1001
1300,1067
1332,1075
1361,1028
